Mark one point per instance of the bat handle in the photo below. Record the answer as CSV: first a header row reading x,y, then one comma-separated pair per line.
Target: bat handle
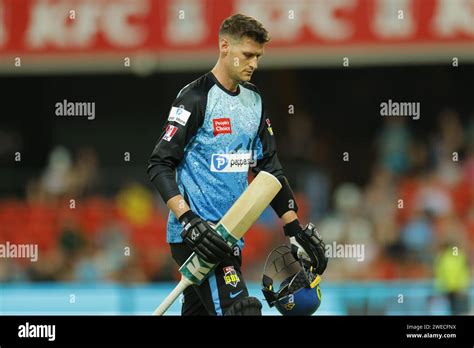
x,y
168,301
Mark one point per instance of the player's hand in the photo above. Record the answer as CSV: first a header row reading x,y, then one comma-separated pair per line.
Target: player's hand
x,y
202,238
307,244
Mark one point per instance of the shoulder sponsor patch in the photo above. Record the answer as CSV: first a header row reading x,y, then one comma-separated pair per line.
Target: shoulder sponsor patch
x,y
222,126
179,115
170,132
269,126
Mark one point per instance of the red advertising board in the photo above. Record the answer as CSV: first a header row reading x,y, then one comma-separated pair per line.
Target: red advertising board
x,y
185,29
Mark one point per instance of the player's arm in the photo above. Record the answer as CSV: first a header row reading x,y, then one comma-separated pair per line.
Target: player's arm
x,y
178,205
185,118
306,242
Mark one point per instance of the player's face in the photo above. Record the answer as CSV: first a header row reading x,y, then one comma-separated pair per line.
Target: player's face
x,y
244,56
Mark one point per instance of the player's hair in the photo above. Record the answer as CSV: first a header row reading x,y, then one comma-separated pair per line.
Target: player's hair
x,y
239,26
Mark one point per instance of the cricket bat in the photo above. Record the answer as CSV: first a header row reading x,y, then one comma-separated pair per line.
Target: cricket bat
x,y
233,225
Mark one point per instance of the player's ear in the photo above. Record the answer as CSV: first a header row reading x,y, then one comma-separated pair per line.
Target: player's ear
x,y
224,45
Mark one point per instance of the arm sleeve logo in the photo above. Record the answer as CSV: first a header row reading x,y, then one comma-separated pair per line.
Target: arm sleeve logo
x,y
170,132
179,115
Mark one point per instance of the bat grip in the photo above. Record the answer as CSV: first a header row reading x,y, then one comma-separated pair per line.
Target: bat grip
x,y
168,301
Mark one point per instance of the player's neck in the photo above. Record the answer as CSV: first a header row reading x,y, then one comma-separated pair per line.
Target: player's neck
x,y
224,79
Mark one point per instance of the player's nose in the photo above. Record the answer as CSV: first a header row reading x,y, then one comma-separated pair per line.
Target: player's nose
x,y
254,63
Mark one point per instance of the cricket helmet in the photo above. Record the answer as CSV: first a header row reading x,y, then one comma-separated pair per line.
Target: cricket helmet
x,y
298,291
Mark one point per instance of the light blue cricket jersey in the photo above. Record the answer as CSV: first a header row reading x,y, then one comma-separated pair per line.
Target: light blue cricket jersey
x,y
211,139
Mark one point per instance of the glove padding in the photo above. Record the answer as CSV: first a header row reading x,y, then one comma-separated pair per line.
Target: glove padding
x,y
202,238
245,307
307,244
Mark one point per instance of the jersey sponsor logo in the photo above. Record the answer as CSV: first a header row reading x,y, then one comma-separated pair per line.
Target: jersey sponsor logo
x,y
230,276
269,126
179,115
170,132
232,162
222,126
219,162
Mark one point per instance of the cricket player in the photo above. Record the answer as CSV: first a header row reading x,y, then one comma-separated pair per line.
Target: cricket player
x,y
217,131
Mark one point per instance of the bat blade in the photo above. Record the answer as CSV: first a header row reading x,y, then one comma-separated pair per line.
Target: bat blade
x,y
250,205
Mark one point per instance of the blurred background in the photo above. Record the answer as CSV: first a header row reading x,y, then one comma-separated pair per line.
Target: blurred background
x,y
402,188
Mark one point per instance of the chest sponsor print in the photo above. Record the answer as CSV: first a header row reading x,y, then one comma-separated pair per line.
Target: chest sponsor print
x,y
231,163
221,126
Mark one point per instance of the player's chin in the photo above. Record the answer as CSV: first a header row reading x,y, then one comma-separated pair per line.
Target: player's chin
x,y
246,77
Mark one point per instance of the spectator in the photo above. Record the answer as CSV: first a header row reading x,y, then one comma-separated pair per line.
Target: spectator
x,y
452,277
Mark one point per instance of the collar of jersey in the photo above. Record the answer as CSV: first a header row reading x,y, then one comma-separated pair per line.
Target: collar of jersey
x,y
236,93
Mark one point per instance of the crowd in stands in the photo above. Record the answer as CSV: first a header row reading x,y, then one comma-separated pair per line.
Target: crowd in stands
x,y
417,203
